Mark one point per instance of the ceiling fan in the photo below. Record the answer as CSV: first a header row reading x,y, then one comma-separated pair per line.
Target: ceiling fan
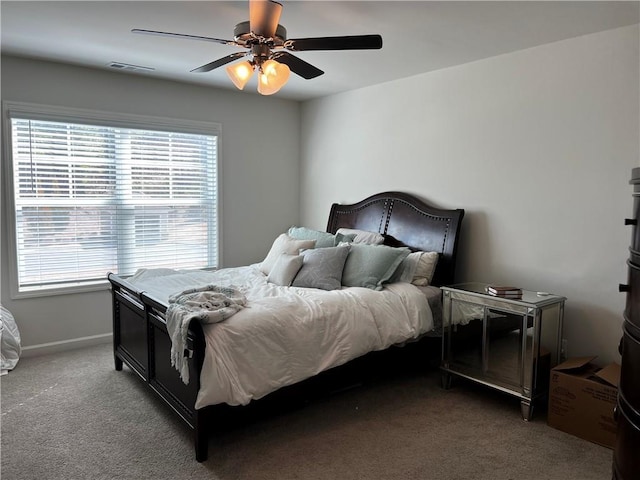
x,y
267,45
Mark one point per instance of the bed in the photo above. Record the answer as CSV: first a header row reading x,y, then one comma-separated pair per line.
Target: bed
x,y
143,342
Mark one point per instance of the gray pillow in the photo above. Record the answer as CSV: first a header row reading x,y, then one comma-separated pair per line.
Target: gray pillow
x,y
322,268
371,266
285,269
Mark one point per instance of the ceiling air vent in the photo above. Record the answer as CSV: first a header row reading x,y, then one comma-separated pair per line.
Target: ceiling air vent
x,y
126,67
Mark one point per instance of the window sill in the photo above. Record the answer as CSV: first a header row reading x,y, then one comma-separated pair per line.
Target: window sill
x,y
63,289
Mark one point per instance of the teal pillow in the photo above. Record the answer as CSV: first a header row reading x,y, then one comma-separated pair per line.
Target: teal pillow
x,y
371,266
323,239
322,268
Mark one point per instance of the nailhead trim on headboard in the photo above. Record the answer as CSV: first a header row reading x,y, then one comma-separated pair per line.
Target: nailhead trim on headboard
x,y
415,234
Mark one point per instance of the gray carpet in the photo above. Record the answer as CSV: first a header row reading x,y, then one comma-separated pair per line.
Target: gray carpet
x,y
72,416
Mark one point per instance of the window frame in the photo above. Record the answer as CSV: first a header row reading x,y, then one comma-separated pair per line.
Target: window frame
x,y
34,111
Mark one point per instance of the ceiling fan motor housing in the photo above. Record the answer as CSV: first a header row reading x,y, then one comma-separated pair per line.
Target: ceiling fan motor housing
x,y
242,34
260,52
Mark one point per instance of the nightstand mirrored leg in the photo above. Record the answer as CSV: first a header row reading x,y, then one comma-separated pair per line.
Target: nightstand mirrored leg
x,y
526,408
445,380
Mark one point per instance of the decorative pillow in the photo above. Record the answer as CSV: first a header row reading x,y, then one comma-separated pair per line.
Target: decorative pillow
x,y
418,268
406,269
322,268
425,268
323,239
285,269
370,266
363,236
342,238
283,244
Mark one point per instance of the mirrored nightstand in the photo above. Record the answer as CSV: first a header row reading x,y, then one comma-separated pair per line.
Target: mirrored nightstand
x,y
509,344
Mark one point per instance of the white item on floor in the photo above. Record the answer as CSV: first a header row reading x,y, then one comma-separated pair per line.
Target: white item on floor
x,y
10,341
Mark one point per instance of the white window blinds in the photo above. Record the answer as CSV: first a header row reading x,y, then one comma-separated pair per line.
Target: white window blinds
x,y
91,199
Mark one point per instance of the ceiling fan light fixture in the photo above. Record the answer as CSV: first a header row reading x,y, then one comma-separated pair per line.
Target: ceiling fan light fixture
x,y
272,77
266,39
240,73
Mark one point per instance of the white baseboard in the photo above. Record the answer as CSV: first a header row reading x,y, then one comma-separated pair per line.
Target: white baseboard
x,y
64,345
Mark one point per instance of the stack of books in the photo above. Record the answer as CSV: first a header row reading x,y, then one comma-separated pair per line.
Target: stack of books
x,y
504,292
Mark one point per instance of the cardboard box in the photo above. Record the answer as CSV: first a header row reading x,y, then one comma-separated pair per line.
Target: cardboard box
x,y
582,397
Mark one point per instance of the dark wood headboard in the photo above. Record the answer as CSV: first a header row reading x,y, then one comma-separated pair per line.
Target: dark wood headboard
x,y
405,220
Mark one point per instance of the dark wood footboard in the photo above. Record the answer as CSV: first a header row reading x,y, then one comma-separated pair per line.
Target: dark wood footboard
x,y
141,341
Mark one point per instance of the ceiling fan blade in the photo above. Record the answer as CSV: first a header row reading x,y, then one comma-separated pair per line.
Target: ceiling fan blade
x,y
350,42
264,16
298,66
182,35
218,63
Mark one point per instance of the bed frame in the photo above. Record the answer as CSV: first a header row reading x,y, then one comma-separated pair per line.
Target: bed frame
x,y
141,341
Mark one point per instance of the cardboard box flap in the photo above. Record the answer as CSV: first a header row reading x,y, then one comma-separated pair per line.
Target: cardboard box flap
x,y
575,363
610,374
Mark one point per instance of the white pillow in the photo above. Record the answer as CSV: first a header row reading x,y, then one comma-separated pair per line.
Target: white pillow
x,y
418,268
363,236
283,244
285,269
425,268
407,269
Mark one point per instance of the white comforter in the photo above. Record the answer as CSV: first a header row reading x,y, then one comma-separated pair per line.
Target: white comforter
x,y
288,334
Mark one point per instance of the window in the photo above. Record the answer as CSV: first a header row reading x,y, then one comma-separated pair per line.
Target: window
x,y
105,193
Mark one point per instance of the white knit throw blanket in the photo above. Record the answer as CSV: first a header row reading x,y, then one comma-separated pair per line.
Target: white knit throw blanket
x,y
208,304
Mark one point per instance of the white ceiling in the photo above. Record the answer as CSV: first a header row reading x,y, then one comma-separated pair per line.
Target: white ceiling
x,y
418,36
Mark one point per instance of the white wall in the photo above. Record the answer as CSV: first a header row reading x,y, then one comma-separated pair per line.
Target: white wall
x,y
537,146
259,172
